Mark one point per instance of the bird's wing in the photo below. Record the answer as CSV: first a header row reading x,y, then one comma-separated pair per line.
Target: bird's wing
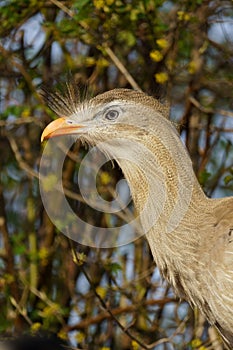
x,y
223,232
220,267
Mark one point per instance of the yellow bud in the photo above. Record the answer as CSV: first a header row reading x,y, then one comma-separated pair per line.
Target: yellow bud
x,y
196,343
105,178
50,310
99,4
101,291
183,16
102,62
180,15
161,78
187,17
79,258
156,55
163,43
43,253
109,2
192,67
26,113
9,278
80,336
62,335
90,61
35,326
135,345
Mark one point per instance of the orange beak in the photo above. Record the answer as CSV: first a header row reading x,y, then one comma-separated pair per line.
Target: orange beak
x,y
59,127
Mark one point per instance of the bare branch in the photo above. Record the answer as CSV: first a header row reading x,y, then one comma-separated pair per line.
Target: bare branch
x,y
122,68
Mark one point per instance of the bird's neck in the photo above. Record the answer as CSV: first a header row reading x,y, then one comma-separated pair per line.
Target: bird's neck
x,y
167,197
162,181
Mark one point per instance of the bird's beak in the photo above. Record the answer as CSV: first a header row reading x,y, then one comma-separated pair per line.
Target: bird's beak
x,y
59,127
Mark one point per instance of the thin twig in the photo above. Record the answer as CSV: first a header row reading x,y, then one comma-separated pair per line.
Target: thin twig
x,y
63,7
117,311
20,121
22,311
23,165
122,68
12,59
102,302
197,104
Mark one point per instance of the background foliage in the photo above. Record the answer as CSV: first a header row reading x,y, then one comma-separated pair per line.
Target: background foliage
x,y
112,298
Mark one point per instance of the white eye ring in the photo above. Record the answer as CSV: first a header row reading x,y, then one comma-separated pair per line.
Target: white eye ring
x,y
112,114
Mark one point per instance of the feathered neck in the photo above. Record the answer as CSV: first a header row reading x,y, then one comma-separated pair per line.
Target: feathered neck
x,y
167,198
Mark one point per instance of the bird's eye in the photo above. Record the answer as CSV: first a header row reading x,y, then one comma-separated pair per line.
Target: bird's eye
x,y
112,114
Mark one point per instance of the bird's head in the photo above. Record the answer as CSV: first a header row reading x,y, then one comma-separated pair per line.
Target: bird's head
x,y
119,113
117,122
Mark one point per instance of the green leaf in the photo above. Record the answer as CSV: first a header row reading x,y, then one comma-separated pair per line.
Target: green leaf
x,y
80,4
127,38
20,249
115,267
203,177
228,179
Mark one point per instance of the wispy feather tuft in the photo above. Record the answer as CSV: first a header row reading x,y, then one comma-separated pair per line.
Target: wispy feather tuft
x,y
65,98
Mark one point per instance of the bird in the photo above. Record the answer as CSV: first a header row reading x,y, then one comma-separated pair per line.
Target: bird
x,y
190,235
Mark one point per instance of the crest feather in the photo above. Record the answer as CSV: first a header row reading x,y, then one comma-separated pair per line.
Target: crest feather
x,y
65,99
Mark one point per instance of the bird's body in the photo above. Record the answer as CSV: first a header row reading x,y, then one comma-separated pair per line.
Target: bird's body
x,y
190,235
